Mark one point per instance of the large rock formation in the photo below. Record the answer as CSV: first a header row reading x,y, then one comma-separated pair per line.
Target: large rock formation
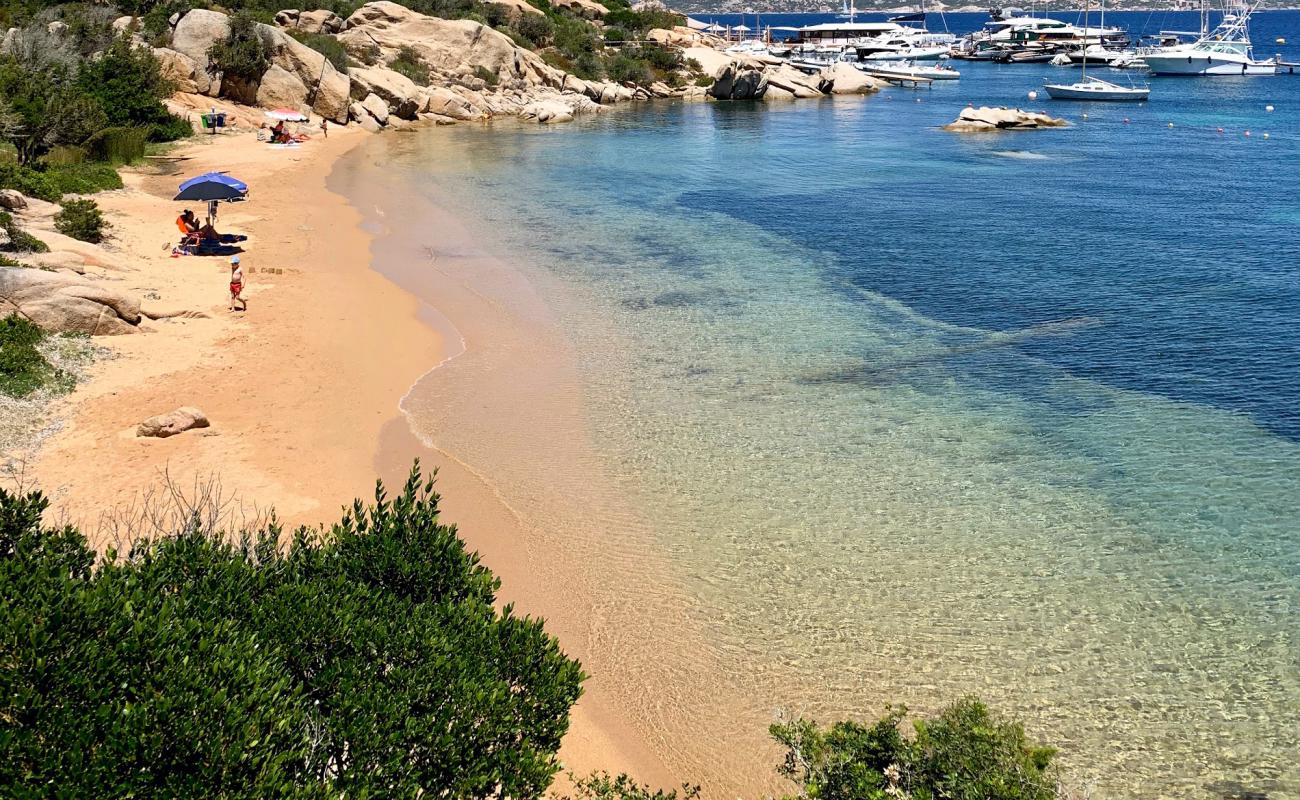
x,y
404,98
845,79
319,21
984,118
60,303
315,83
451,49
797,84
737,82
183,72
197,31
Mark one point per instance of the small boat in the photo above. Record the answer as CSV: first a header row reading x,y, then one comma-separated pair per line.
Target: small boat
x,y
1096,89
909,69
1061,60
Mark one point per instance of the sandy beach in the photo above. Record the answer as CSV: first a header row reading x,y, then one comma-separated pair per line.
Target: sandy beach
x,y
303,390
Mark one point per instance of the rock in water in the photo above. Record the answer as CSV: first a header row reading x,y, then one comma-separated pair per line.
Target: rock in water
x,y
60,303
984,118
182,419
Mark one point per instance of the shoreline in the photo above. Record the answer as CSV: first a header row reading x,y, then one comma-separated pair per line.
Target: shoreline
x,y
305,416
567,543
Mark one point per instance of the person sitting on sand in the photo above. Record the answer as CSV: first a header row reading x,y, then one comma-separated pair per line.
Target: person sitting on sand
x,y
190,228
237,285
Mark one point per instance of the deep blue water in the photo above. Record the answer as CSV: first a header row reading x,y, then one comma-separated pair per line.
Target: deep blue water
x,y
1182,243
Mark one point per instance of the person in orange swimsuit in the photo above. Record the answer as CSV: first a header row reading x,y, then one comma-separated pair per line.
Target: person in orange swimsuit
x,y
237,285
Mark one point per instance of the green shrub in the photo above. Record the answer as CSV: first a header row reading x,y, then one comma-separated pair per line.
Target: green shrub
x,y
536,28
407,62
118,145
616,35
704,80
486,75
243,54
367,660
326,45
965,753
84,178
29,181
170,129
80,219
127,83
603,786
20,241
23,369
626,68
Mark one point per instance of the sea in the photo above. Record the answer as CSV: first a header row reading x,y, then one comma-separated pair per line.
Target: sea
x,y
912,415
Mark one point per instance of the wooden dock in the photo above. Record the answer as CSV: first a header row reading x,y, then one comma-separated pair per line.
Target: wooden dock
x,y
1286,67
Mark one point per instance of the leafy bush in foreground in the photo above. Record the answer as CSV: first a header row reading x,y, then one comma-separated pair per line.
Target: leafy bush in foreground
x,y
965,753
23,369
80,219
368,659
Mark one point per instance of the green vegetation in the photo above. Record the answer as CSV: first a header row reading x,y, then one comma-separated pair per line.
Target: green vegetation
x,y
20,241
23,369
965,753
80,219
241,59
603,786
408,63
326,45
369,660
486,75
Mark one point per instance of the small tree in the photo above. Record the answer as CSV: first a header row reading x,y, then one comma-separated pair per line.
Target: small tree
x,y
242,56
80,219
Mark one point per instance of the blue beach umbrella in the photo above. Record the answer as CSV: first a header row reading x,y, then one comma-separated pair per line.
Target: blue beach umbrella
x,y
213,186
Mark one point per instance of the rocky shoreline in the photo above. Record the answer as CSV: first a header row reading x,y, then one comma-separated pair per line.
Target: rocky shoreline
x,y
475,72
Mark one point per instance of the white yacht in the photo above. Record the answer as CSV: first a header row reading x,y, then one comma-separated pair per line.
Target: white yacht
x,y
1226,50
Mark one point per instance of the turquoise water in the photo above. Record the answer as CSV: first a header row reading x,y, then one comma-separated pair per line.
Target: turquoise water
x,y
916,415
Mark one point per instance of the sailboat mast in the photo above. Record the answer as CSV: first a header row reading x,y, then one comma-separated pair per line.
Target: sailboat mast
x,y
1085,42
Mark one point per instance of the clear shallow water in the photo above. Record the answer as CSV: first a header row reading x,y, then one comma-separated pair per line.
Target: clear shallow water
x,y
917,415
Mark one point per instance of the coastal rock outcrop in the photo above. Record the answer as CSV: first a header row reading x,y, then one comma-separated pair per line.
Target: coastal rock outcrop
x,y
547,111
182,419
450,49
281,89
737,82
798,84
400,92
984,118
844,79
182,72
61,303
197,31
588,9
318,85
448,103
318,21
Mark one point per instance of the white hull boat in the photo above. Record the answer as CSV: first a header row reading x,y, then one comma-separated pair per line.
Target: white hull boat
x,y
1187,60
1097,89
908,69
933,53
1226,50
